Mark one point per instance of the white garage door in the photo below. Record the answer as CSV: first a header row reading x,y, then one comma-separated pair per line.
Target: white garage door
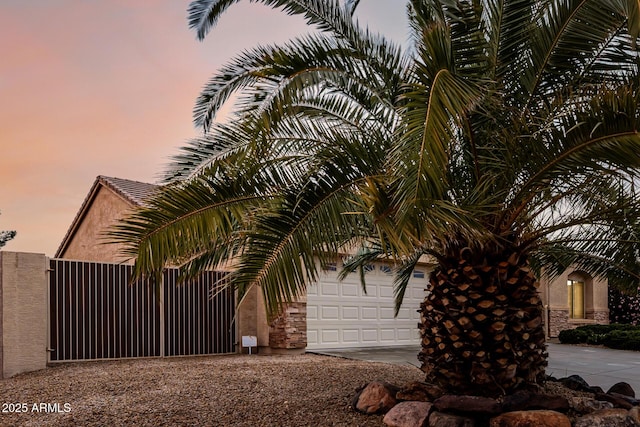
x,y
340,314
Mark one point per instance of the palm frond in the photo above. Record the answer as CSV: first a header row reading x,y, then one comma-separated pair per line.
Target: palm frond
x,y
283,245
203,14
511,122
568,35
186,217
402,277
351,6
602,134
272,71
359,261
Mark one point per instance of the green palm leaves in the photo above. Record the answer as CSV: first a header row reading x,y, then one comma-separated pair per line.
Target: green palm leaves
x,y
506,121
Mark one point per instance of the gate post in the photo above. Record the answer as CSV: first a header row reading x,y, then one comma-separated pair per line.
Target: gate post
x,y
23,312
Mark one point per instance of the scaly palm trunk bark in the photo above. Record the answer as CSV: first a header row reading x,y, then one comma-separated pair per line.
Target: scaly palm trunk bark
x,y
482,327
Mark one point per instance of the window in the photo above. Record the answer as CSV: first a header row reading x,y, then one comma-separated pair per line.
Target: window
x,y
385,269
330,266
575,295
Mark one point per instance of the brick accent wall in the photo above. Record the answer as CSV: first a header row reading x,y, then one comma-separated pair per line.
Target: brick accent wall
x,y
289,329
558,321
601,316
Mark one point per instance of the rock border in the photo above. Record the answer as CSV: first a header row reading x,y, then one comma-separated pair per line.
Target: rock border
x,y
564,402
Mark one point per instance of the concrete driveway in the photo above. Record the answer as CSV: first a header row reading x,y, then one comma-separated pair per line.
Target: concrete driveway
x,y
598,366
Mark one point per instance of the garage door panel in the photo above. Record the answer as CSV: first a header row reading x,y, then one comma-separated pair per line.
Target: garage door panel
x,y
386,291
329,289
386,313
312,337
350,336
388,335
350,289
312,312
350,313
407,334
341,315
329,312
330,336
369,313
370,335
372,291
409,313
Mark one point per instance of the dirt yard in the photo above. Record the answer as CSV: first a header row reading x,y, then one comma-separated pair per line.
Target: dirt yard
x,y
307,390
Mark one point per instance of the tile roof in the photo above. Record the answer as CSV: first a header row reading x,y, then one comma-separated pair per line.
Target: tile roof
x,y
135,192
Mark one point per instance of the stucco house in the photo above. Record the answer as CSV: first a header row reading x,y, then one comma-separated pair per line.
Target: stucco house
x,y
108,200
575,298
333,314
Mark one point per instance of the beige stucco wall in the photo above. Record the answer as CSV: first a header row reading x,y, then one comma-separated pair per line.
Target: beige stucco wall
x,y
88,243
23,312
252,320
247,317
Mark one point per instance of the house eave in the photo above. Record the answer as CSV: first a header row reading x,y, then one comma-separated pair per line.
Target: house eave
x,y
99,182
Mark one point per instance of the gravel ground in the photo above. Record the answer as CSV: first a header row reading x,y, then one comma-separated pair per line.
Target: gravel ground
x,y
305,390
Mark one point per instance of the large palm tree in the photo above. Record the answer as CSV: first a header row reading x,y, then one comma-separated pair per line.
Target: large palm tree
x,y
503,143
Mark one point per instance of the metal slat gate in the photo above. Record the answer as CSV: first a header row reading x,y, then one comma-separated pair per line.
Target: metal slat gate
x,y
94,313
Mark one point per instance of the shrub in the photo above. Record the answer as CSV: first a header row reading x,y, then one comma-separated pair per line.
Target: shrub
x,y
596,339
573,336
596,334
623,340
605,329
615,335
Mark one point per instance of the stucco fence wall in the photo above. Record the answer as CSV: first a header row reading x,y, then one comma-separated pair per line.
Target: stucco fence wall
x,y
23,312
24,328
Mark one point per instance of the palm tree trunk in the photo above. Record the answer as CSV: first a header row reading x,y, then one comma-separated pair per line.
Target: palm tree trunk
x,y
482,328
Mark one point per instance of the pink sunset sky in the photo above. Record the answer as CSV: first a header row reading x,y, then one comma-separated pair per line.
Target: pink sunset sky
x,y
94,88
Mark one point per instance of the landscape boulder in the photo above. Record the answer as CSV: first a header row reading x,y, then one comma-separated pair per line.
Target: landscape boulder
x,y
375,398
586,405
477,405
419,391
632,400
539,418
618,402
440,419
622,388
407,414
607,418
575,382
524,400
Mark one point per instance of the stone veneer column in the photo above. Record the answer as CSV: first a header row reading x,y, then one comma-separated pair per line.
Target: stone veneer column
x,y
601,316
558,321
288,331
